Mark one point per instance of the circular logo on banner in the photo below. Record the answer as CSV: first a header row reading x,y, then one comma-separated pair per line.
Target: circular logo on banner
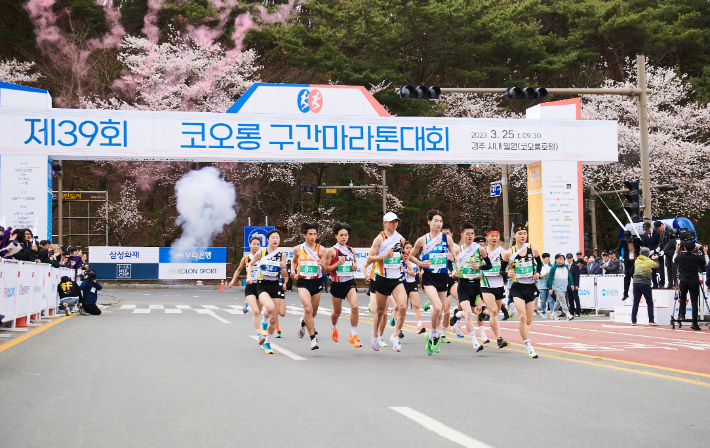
x,y
302,101
315,101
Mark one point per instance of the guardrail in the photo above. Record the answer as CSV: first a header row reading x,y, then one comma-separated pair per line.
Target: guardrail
x,y
28,289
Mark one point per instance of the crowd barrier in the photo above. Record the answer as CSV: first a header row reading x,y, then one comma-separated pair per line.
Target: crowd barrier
x,y
28,290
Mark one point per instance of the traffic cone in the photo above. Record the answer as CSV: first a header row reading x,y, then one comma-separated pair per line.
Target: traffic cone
x,y
221,286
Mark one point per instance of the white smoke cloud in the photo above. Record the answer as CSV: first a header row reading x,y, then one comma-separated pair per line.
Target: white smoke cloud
x,y
205,204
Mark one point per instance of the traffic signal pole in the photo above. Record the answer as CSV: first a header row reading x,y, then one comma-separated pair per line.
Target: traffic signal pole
x,y
643,126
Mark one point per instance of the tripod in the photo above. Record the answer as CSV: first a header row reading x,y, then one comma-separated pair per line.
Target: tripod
x,y
677,298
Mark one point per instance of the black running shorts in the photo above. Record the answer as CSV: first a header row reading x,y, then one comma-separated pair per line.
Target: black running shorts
x,y
340,290
438,281
250,290
469,291
410,287
314,285
271,287
450,285
371,288
385,286
498,293
525,291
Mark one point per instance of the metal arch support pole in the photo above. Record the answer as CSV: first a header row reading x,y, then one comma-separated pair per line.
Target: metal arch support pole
x,y
60,206
506,210
643,128
384,191
593,210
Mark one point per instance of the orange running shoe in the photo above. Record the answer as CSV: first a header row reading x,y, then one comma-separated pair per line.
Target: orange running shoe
x,y
354,341
334,335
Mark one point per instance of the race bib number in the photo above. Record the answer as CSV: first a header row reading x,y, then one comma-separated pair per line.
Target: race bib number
x,y
438,261
470,273
308,268
271,266
394,262
523,271
345,269
494,271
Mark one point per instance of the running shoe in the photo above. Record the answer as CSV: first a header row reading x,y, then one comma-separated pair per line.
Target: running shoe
x,y
334,335
445,340
301,328
502,343
401,334
480,347
382,343
246,307
354,341
421,330
553,316
392,321
264,328
531,353
453,319
396,344
544,316
278,332
267,349
262,338
506,316
435,345
429,349
368,308
375,344
653,324
486,341
427,305
570,317
457,330
314,344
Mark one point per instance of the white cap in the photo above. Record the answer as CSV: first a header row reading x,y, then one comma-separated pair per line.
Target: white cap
x,y
389,216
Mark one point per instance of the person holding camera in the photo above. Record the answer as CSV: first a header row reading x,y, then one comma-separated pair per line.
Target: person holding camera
x,y
628,249
689,264
89,294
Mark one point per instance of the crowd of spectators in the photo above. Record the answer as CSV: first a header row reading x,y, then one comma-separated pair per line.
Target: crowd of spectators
x,y
20,244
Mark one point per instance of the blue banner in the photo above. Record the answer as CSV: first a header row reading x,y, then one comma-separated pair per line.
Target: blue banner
x,y
193,255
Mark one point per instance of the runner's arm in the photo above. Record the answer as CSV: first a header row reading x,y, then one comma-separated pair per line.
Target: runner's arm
x,y
236,273
328,259
418,245
294,261
372,256
487,264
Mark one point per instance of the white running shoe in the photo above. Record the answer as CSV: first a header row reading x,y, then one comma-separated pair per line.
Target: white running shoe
x,y
544,316
382,343
375,344
301,329
314,344
396,345
457,330
531,352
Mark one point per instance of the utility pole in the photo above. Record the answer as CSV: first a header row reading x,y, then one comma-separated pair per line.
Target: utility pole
x,y
643,128
384,192
506,209
593,210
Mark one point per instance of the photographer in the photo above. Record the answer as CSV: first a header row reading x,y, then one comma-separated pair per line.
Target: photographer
x,y
689,264
669,250
89,295
628,249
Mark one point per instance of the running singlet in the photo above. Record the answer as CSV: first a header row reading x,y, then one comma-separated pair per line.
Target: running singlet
x,y
437,256
492,278
255,269
270,265
307,266
450,265
391,266
409,278
465,269
524,265
344,272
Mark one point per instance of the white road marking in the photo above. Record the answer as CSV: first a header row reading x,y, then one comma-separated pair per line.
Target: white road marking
x,y
440,428
128,307
211,307
142,310
212,313
183,307
283,351
156,307
172,311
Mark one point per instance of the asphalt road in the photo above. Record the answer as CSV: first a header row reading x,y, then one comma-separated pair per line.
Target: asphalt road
x,y
145,376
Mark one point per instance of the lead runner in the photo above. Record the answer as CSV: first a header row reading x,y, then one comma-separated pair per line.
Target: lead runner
x,y
524,265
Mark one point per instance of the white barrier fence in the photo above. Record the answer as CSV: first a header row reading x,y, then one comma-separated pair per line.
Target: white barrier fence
x,y
28,289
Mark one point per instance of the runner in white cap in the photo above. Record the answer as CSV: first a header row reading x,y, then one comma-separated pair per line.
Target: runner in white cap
x,y
524,269
386,250
308,268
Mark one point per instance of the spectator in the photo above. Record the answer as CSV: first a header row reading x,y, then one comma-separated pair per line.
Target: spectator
x,y
289,284
559,280
578,255
611,265
643,273
689,264
44,256
652,239
586,259
573,290
89,295
669,250
582,263
543,288
69,294
593,267
628,249
9,246
27,246
74,260
44,244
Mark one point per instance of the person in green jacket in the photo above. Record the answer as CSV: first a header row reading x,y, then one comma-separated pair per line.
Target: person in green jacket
x,y
558,279
643,275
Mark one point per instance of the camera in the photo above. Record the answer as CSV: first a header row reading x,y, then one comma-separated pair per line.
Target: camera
x,y
685,234
90,274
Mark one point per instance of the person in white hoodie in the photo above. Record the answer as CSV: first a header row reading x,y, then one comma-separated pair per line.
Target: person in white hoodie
x,y
545,296
558,279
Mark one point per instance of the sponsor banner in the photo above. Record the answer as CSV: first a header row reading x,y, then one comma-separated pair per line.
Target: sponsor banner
x,y
126,271
208,255
121,254
9,281
610,291
586,292
195,271
24,193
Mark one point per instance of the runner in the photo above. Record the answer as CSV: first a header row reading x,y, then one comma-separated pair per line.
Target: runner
x,y
435,278
252,301
386,250
452,286
471,260
524,270
341,263
410,286
271,268
373,271
492,288
307,267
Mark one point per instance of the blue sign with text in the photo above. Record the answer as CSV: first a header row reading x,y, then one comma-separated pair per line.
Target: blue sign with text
x,y
252,231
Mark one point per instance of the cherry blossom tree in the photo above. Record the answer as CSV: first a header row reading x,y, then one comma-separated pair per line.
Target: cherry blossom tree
x,y
15,72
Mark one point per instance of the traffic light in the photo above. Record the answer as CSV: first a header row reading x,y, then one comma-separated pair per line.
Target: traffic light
x,y
667,188
420,92
308,189
634,198
526,93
